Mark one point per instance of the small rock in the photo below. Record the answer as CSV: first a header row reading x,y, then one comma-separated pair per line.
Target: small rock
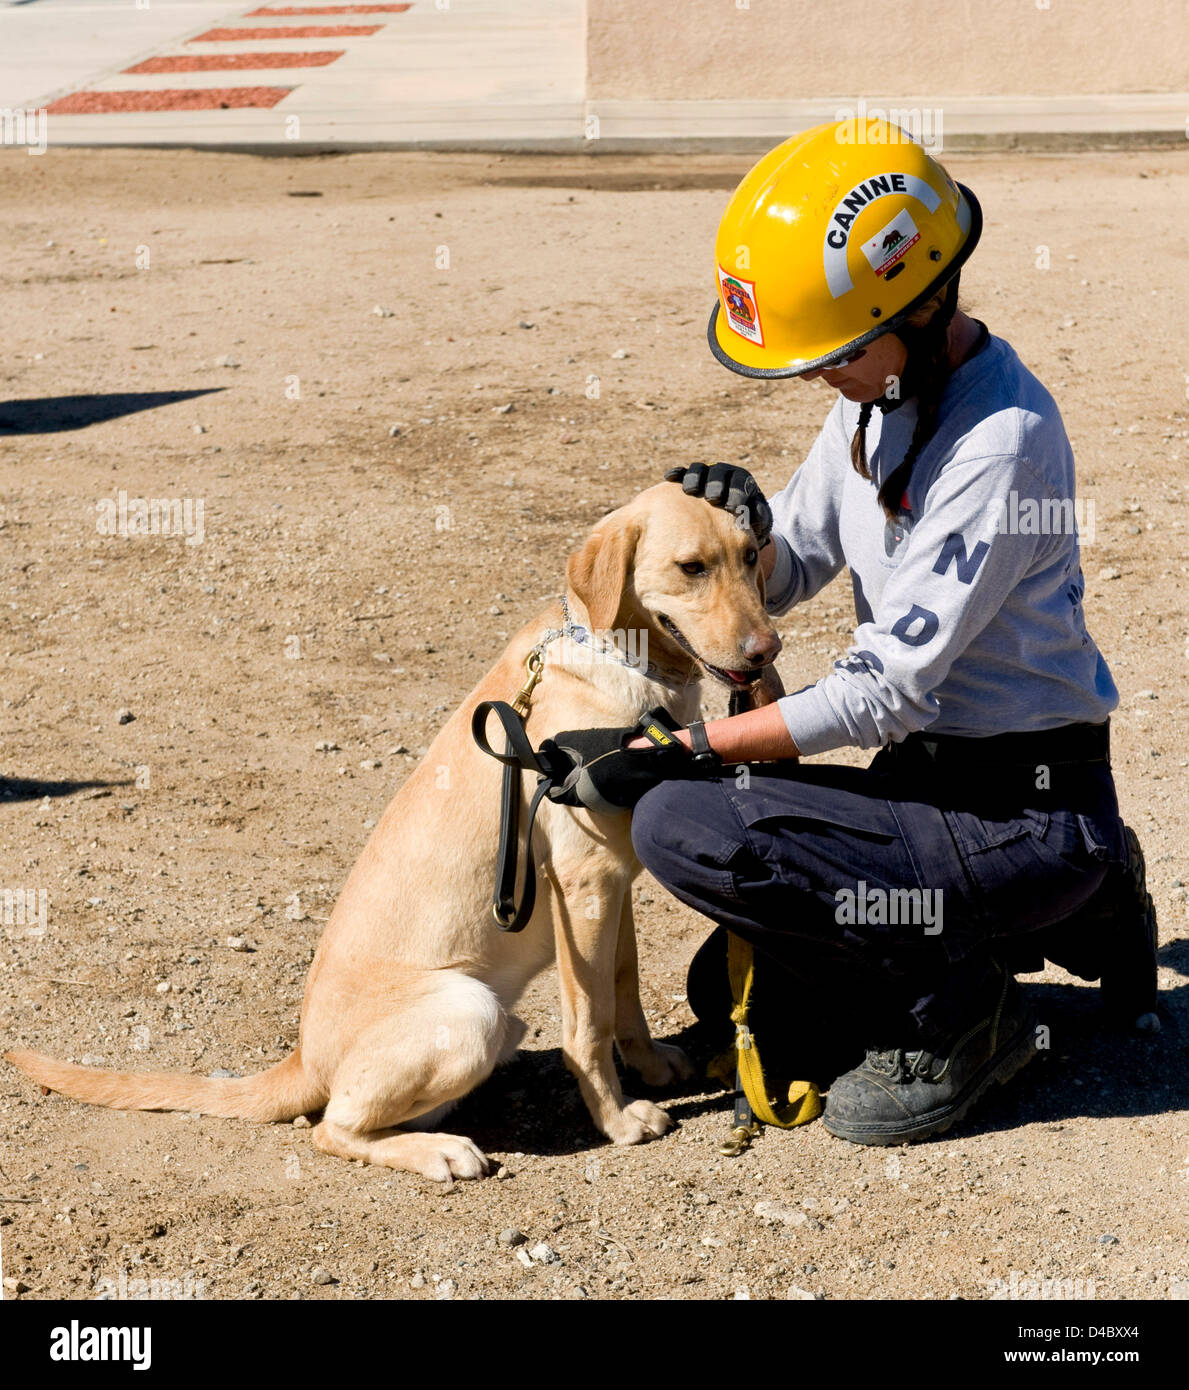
x,y
318,1275
544,1254
199,429
222,1074
226,362
326,745
446,1289
394,432
524,1257
512,1237
92,1059
503,1173
164,987
13,1285
1146,695
795,1292
495,610
400,748
371,764
1109,572
124,716
237,943
301,1122
619,354
418,1280
1108,1240
503,409
524,323
382,313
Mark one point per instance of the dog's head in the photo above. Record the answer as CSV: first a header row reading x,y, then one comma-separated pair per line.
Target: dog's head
x,y
686,573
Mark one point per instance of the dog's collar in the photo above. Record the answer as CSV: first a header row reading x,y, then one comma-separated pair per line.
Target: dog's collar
x,y
582,636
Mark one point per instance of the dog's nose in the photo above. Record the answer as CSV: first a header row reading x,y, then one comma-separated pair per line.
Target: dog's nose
x,y
760,648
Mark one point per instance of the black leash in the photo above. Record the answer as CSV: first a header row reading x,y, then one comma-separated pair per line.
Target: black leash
x,y
745,1126
518,757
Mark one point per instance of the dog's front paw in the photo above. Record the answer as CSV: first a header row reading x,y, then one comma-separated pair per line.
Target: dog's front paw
x,y
661,1065
636,1123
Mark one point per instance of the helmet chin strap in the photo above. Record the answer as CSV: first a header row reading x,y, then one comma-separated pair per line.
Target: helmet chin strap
x,y
915,340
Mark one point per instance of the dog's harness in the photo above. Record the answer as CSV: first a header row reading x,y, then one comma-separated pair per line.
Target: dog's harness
x,y
519,756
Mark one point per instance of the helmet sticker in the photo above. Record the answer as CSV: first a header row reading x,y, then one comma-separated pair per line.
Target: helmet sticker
x,y
891,241
739,302
834,249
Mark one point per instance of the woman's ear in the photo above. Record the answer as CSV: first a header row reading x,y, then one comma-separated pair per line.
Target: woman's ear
x,y
598,572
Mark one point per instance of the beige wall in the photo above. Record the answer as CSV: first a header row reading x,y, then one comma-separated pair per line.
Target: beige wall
x,y
795,49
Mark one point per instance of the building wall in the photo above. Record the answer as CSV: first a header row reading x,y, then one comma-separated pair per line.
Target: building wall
x,y
744,50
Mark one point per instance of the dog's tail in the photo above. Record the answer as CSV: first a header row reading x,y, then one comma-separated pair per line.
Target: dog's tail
x,y
281,1093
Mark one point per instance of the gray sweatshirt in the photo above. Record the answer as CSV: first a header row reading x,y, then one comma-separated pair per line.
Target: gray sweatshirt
x,y
970,609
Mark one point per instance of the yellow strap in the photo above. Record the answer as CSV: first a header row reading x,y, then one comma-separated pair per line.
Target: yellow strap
x,y
804,1101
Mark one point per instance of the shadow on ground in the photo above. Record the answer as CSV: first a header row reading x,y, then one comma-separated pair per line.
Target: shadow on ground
x,y
31,789
532,1105
53,414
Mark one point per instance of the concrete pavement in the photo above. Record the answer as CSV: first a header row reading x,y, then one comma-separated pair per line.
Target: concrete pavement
x,y
450,74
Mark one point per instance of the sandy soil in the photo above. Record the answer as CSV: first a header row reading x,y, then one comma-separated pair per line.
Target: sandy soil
x,y
353,583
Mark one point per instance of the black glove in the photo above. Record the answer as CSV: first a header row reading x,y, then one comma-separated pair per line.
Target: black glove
x,y
592,768
726,485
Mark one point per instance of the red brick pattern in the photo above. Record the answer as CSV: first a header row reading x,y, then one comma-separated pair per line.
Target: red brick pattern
x,y
234,62
174,99
304,31
326,9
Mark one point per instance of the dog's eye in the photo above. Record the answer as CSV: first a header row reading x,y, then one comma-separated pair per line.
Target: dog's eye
x,y
751,557
694,567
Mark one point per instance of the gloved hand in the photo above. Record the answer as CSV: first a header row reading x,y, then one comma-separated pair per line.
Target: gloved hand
x,y
594,769
726,485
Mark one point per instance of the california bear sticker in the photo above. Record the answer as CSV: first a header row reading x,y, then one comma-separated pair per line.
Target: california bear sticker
x,y
891,241
739,301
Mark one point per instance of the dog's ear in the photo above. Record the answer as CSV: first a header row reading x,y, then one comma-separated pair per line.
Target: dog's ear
x,y
598,573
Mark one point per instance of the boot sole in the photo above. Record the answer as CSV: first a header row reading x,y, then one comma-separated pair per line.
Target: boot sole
x,y
1001,1068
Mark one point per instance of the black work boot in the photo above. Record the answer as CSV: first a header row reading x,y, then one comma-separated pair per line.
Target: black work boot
x,y
896,1096
1112,938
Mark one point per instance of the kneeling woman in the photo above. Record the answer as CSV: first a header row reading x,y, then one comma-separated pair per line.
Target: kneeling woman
x,y
991,804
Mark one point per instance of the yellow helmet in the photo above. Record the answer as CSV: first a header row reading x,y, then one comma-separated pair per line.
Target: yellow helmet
x,y
834,238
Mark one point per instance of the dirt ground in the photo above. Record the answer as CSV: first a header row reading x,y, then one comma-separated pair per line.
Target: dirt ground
x,y
400,403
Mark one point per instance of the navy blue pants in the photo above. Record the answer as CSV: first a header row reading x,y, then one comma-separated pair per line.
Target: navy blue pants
x,y
882,892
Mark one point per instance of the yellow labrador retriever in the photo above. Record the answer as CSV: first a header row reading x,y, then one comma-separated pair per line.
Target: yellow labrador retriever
x,y
408,1003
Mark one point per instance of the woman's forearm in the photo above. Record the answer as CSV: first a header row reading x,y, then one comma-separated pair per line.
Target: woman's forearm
x,y
757,735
